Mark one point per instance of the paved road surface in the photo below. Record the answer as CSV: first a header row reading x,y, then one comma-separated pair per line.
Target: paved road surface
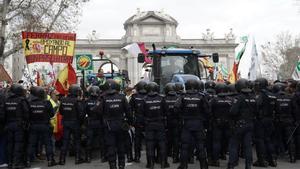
x,y
96,164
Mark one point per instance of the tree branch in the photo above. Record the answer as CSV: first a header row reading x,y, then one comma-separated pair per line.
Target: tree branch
x,y
12,51
62,7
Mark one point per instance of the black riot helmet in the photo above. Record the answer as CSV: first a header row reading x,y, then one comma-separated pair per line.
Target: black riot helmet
x,y
170,88
261,83
141,87
191,84
113,86
33,90
179,88
242,85
40,93
152,88
221,88
231,88
210,84
17,89
75,90
200,85
251,84
278,87
94,91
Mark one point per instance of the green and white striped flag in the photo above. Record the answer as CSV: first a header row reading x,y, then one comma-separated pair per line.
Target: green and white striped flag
x,y
296,74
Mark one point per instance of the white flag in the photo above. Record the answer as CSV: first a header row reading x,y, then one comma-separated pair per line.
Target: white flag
x,y
254,70
296,74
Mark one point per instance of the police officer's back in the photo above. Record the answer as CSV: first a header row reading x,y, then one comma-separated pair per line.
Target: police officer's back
x,y
135,103
193,110
72,111
16,113
41,112
153,108
243,111
115,111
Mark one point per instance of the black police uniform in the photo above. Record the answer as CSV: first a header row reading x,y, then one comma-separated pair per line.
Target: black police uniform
x,y
194,111
296,110
16,111
220,115
243,111
115,110
285,120
265,129
173,123
41,112
94,126
72,111
138,122
154,116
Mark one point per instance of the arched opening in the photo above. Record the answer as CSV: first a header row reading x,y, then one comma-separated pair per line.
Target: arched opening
x,y
108,67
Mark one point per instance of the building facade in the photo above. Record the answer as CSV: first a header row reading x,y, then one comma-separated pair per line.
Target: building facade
x,y
150,27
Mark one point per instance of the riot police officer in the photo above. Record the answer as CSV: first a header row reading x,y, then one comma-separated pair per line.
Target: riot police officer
x,y
219,112
138,122
94,120
16,112
72,111
264,126
193,110
154,114
116,117
209,93
284,118
243,111
41,112
172,121
296,109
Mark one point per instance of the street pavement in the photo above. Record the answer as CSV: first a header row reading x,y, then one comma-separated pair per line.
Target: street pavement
x,y
96,163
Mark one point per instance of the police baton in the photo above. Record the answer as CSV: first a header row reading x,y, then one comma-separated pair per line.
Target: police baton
x,y
291,136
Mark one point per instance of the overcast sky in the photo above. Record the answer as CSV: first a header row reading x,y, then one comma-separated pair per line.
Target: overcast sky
x,y
261,18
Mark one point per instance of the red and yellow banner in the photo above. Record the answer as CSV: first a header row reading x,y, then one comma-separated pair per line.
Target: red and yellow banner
x,y
48,47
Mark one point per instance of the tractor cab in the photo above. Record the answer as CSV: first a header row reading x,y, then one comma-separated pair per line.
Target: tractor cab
x,y
171,64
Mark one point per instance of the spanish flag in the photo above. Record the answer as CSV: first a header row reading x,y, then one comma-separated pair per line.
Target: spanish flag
x,y
66,77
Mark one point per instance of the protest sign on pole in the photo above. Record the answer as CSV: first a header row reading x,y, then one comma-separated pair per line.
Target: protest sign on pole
x,y
48,47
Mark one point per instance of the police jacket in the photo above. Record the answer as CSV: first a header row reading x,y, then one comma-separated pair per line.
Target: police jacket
x,y
153,108
220,107
296,106
41,111
210,94
115,107
266,104
15,108
192,105
136,103
72,109
244,107
90,106
170,100
283,107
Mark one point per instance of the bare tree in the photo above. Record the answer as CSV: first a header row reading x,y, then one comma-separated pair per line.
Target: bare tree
x,y
279,58
271,61
35,15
